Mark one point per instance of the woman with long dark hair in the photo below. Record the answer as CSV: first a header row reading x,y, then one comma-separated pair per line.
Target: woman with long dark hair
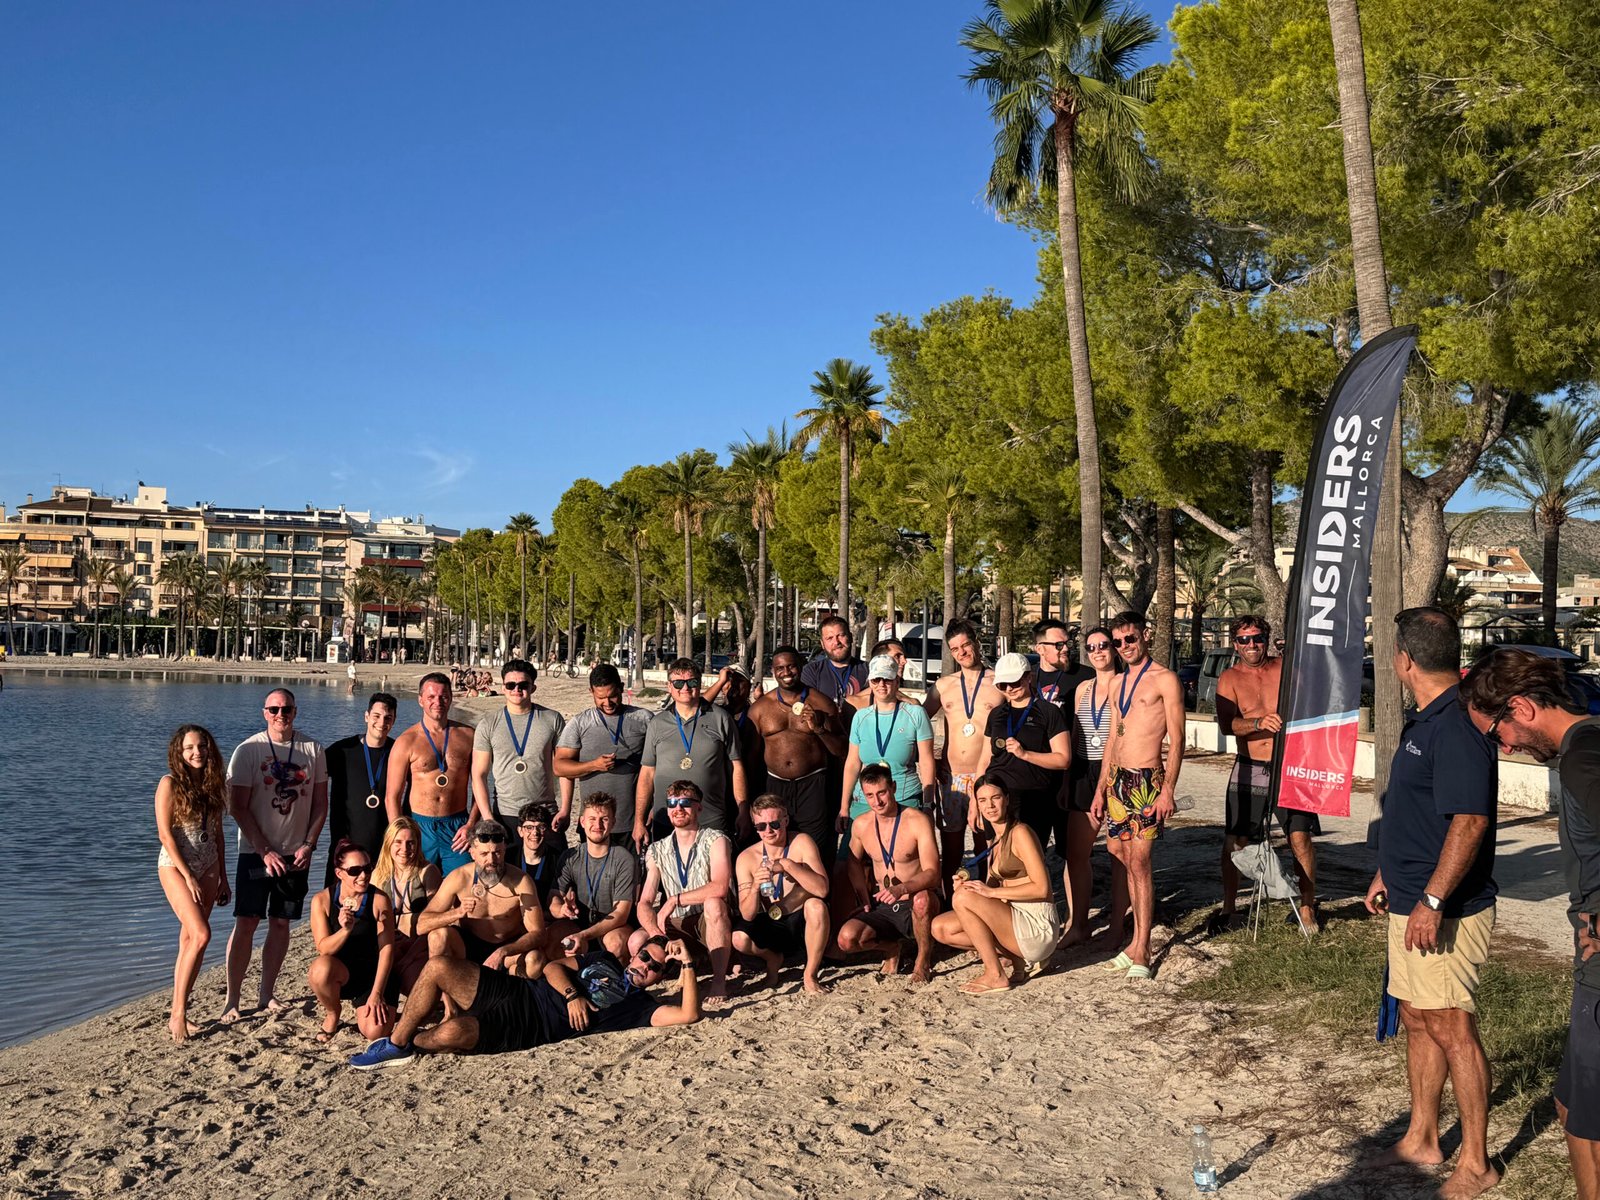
x,y
189,803
352,923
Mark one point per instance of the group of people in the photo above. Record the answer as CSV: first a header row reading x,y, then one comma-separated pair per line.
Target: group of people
x,y
471,681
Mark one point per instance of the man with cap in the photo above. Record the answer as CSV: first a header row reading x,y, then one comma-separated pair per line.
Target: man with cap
x,y
1028,746
731,691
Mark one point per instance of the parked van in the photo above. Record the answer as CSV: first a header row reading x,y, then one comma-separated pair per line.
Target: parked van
x,y
920,646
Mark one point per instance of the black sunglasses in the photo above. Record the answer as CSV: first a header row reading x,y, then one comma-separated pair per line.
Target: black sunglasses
x,y
681,801
1492,734
1250,639
1131,639
517,685
496,839
763,826
275,709
359,869
1098,647
679,684
1054,645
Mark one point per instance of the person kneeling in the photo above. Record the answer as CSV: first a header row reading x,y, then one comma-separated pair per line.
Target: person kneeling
x,y
500,1011
901,901
353,925
783,894
1010,912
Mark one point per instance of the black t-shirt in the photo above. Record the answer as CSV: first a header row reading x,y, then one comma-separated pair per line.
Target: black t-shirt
x,y
1444,767
1059,687
545,874
832,681
631,1012
348,789
1580,833
1033,727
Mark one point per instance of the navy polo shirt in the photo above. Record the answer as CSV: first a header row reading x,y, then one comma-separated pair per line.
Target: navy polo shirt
x,y
834,682
1444,767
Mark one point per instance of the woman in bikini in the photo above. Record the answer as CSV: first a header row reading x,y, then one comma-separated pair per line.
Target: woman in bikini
x,y
409,880
1010,911
352,923
1091,729
189,803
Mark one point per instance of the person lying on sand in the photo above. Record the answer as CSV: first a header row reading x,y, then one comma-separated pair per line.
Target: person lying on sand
x,y
593,993
783,894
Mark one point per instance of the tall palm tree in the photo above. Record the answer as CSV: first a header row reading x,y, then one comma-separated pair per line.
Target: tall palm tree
x,y
847,408
942,491
97,571
386,583
1207,581
1062,85
177,577
202,588
544,565
625,516
522,526
12,561
752,478
257,579
229,575
122,582
688,485
1550,470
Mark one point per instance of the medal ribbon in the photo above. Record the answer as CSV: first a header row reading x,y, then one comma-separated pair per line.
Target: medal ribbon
x,y
1013,729
966,704
684,867
804,692
1125,697
617,736
688,742
372,776
1097,711
438,756
593,883
894,834
527,731
877,732
280,770
776,882
841,681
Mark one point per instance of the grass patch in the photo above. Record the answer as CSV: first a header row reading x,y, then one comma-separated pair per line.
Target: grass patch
x,y
648,693
1333,981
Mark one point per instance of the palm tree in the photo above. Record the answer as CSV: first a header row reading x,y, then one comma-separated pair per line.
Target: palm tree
x,y
1207,581
1551,471
385,583
122,582
1060,76
12,560
229,576
177,577
688,485
626,515
257,579
544,564
522,526
941,490
98,572
847,408
752,478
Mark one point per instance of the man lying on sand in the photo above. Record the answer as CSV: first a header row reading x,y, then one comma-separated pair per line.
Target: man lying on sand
x,y
593,993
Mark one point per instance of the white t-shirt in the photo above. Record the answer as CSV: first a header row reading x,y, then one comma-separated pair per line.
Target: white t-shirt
x,y
280,779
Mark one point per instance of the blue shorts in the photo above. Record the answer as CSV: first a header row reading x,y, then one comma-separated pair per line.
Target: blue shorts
x,y
437,834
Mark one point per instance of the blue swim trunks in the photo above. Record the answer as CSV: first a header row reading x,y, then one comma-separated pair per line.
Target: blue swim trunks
x,y
437,834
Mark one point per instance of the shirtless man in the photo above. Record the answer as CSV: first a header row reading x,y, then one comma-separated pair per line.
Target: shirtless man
x,y
894,892
1247,703
487,910
783,871
433,761
799,731
1135,792
966,698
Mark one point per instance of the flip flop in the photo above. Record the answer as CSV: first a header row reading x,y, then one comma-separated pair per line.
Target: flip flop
x,y
1120,963
973,988
1138,971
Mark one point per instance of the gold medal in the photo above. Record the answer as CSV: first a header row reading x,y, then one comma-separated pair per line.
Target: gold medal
x,y
443,780
775,912
685,763
999,745
520,766
961,876
373,801
798,707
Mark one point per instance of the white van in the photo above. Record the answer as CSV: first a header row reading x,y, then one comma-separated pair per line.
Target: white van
x,y
917,674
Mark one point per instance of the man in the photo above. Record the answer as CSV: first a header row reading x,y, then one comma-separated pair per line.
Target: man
x,y
1520,702
433,761
783,894
485,910
1027,744
894,889
731,692
1436,882
358,780
497,1011
687,876
1059,671
1135,792
542,851
1247,707
694,742
895,735
278,794
600,748
965,698
836,673
517,742
593,899
800,732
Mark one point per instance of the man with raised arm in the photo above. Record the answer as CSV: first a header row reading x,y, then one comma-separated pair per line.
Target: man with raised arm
x,y
800,731
516,743
965,698
1137,781
894,875
601,746
431,764
783,894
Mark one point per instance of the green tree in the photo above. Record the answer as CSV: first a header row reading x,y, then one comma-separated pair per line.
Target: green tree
x,y
1551,470
123,582
1061,80
688,486
753,476
98,572
12,561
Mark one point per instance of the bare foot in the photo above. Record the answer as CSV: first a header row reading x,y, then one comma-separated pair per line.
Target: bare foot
x,y
1405,1153
891,966
182,1029
1465,1183
230,1014
920,974
272,1005
813,987
1074,937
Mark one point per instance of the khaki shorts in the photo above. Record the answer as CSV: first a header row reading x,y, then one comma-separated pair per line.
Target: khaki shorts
x,y
1446,977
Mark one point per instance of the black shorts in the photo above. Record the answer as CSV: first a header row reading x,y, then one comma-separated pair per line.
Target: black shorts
x,y
477,949
257,894
786,935
363,969
508,1014
1578,1084
889,921
1249,786
1044,813
1082,779
810,812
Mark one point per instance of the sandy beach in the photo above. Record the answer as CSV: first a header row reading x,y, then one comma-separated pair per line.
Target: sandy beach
x,y
1079,1083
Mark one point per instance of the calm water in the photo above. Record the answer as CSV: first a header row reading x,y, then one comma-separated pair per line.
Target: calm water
x,y
87,925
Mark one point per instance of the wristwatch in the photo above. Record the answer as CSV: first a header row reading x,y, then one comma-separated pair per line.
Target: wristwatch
x,y
1432,901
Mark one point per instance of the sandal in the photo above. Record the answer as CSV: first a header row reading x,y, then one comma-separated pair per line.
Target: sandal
x,y
1120,963
1139,971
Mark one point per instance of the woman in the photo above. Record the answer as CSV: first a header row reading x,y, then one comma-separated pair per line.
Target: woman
x,y
189,803
1010,912
1091,728
409,881
352,924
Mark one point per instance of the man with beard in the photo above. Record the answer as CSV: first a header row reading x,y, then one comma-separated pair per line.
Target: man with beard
x,y
837,674
593,899
485,910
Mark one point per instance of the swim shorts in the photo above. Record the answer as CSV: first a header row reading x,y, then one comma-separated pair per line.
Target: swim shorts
x,y
477,949
955,802
809,810
257,894
1131,803
889,921
437,834
1248,788
1578,1084
786,935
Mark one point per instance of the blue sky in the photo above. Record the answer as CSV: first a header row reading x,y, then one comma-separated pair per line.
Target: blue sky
x,y
446,258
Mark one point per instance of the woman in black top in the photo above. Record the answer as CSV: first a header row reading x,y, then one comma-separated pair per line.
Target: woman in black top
x,y
353,926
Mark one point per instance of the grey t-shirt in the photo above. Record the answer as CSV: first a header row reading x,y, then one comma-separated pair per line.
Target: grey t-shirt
x,y
498,733
713,743
599,884
591,733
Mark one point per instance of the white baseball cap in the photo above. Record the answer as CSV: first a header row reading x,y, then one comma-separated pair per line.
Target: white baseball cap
x,y
1011,668
882,667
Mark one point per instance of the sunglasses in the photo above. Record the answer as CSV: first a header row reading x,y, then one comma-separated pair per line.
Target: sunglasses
x,y
764,826
1251,639
1052,645
1013,685
679,685
1492,734
681,801
275,709
650,964
492,839
359,869
1131,639
517,685
1099,647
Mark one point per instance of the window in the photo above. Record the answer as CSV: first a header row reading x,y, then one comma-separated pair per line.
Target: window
x,y
277,564
144,547
249,541
305,541
219,541
306,566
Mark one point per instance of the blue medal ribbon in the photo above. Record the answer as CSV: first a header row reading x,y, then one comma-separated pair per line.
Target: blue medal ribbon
x,y
1096,711
894,834
684,867
782,699
591,883
1012,729
877,731
776,881
280,770
372,776
688,741
616,736
967,705
438,756
841,680
1124,696
519,747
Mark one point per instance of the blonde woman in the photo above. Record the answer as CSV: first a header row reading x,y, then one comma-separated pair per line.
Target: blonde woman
x,y
409,880
189,803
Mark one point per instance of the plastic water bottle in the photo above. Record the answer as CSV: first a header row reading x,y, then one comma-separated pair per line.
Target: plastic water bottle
x,y
1205,1169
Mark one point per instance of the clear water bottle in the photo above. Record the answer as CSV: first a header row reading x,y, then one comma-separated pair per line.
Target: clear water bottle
x,y
1205,1167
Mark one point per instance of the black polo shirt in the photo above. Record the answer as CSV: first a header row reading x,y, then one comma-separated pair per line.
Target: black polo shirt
x,y
1580,833
1032,726
1443,767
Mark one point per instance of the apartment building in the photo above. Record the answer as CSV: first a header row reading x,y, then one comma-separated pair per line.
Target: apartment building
x,y
402,546
305,551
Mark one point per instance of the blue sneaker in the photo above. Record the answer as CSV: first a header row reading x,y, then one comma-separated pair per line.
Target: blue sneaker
x,y
382,1053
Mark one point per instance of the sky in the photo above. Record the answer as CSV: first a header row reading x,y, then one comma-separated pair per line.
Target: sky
x,y
441,260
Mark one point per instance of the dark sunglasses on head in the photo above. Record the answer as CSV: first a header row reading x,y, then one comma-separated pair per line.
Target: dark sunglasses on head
x,y
517,685
679,684
1251,639
359,869
1131,639
681,801
763,826
275,709
497,839
1098,647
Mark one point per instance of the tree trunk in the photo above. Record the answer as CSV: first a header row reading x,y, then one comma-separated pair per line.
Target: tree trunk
x,y
544,622
572,620
1166,602
636,659
1550,566
1263,555
686,641
1082,381
522,597
1005,605
844,524
947,663
1196,632
761,603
